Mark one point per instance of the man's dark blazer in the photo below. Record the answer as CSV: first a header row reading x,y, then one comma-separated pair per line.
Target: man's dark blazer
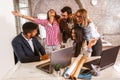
x,y
23,50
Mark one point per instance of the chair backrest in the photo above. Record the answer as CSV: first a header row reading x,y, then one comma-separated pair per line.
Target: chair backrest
x,y
15,58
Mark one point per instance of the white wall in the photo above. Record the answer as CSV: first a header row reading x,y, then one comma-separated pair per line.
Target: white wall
x,y
7,32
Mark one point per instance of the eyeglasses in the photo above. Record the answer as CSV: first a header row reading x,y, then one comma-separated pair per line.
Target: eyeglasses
x,y
79,17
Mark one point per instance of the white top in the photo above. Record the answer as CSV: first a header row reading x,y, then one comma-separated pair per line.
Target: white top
x,y
29,42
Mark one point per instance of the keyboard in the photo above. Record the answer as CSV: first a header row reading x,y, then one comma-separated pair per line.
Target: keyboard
x,y
94,62
47,67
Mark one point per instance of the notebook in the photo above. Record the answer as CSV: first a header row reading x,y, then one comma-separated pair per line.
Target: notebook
x,y
62,57
108,58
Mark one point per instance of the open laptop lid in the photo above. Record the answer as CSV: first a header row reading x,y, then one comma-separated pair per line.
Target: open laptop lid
x,y
62,56
108,57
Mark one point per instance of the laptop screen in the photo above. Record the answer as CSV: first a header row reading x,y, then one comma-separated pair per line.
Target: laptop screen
x,y
62,56
109,56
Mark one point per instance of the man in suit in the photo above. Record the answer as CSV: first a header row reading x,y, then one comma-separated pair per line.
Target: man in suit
x,y
25,45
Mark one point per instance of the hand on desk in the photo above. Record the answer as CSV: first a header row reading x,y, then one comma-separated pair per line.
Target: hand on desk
x,y
44,57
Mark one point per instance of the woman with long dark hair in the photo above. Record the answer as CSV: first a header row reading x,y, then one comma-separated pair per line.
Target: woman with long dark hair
x,y
78,36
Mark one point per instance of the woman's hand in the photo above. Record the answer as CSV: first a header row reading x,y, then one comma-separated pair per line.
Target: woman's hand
x,y
92,42
16,13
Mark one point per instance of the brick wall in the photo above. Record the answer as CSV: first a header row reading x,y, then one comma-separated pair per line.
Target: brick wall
x,y
105,15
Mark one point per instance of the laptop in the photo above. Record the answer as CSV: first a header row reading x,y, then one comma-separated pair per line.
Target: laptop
x,y
108,58
62,57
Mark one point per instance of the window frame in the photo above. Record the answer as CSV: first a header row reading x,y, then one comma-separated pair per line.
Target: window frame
x,y
18,20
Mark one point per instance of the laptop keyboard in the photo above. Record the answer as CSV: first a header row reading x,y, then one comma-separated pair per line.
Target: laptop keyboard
x,y
47,67
94,62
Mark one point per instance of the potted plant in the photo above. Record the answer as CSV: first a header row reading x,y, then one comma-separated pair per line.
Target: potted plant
x,y
57,69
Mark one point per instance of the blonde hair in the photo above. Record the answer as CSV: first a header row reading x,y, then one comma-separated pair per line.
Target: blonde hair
x,y
84,16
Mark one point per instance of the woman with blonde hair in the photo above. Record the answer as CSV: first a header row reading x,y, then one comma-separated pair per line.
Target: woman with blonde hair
x,y
91,32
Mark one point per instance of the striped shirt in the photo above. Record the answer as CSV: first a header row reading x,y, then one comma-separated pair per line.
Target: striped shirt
x,y
52,31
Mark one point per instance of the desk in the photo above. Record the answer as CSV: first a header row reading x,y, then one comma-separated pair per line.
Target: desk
x,y
106,43
28,71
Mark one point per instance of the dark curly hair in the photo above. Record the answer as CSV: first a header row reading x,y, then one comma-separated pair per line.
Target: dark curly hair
x,y
66,9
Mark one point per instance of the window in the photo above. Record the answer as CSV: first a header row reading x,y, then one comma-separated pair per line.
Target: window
x,y
23,6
